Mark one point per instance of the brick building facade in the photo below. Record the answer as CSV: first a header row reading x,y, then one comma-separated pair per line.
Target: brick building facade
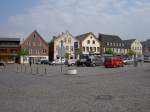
x,y
36,46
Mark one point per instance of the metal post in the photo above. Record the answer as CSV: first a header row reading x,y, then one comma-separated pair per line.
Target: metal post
x,y
61,55
37,71
45,71
21,68
31,69
25,69
17,68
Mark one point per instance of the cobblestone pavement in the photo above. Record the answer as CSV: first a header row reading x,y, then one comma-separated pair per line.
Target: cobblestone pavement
x,y
93,89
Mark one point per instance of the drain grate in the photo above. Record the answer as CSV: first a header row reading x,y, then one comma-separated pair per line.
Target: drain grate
x,y
103,97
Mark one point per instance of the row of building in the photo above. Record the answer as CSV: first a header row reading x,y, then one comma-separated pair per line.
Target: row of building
x,y
67,45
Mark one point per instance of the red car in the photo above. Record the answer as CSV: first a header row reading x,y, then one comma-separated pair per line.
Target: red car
x,y
113,62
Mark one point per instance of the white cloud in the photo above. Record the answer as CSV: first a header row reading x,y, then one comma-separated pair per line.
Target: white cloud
x,y
126,18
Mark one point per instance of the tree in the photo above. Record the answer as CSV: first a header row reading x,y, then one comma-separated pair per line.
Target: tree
x,y
67,56
109,51
79,52
22,53
130,53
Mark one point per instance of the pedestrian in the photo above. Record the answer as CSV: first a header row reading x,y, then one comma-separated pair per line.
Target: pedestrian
x,y
30,62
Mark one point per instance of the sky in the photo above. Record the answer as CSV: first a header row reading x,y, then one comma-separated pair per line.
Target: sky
x,y
125,18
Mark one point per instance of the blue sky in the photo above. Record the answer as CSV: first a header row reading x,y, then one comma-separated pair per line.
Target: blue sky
x,y
13,7
126,18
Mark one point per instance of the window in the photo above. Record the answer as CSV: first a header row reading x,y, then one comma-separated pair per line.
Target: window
x,y
93,41
69,40
44,51
87,49
33,37
91,37
67,48
103,49
111,44
30,51
94,49
114,44
90,48
65,39
57,47
88,41
98,49
37,51
83,49
122,45
34,44
71,48
119,44
107,43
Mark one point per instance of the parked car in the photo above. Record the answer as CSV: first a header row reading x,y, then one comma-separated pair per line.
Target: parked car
x,y
45,62
128,61
113,62
58,62
71,62
94,62
81,62
146,58
2,63
38,62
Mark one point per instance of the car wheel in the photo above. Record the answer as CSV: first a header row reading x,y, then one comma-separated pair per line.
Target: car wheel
x,y
83,64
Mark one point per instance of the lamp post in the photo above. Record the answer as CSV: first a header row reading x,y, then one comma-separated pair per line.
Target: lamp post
x,y
61,54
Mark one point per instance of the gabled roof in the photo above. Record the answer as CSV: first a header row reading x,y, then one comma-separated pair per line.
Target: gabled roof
x,y
9,39
35,32
128,42
109,38
83,36
146,43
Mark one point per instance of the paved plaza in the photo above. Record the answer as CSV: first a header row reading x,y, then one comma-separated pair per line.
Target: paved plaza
x,y
44,88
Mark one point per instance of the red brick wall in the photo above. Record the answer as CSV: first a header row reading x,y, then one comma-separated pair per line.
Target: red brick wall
x,y
35,43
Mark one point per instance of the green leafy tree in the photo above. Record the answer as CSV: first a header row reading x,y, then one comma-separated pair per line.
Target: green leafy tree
x,y
23,53
130,53
79,52
67,56
109,51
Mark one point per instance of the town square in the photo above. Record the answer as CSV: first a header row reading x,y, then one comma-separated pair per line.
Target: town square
x,y
74,56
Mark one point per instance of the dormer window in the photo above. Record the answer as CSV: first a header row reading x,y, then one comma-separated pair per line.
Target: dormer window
x,y
111,44
119,44
108,43
114,44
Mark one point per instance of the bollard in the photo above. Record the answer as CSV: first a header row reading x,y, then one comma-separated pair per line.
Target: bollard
x,y
21,68
45,72
17,69
25,69
37,71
